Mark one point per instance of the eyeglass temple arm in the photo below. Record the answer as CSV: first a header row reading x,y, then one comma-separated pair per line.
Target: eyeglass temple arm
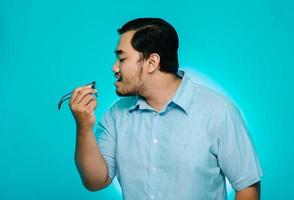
x,y
64,98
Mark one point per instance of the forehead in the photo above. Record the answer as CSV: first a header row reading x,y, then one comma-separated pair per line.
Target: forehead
x,y
124,43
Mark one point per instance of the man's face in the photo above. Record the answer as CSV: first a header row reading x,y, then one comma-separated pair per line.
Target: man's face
x,y
127,68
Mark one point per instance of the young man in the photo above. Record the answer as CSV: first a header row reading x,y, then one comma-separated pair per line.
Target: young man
x,y
167,137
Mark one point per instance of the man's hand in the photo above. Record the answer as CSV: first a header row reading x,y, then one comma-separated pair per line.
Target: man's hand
x,y
90,163
250,193
82,105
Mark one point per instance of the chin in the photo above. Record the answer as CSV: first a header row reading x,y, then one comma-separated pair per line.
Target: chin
x,y
125,93
119,93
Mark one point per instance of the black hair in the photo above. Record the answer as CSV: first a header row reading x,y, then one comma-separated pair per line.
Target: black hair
x,y
154,35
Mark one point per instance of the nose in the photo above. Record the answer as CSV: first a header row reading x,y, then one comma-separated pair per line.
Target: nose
x,y
115,67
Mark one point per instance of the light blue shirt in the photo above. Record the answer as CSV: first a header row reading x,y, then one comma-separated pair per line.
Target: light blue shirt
x,y
183,152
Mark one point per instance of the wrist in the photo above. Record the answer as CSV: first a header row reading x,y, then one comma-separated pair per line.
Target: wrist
x,y
84,128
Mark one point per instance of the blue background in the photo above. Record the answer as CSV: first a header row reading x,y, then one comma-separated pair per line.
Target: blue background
x,y
47,48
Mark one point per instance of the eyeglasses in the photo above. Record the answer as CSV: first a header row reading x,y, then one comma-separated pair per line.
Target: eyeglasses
x,y
68,96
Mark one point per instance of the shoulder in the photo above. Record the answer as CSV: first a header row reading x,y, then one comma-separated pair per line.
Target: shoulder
x,y
210,99
205,96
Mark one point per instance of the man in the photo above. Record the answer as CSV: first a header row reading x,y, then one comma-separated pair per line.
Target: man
x,y
167,137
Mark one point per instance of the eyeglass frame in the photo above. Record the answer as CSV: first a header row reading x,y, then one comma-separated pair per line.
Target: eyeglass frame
x,y
66,96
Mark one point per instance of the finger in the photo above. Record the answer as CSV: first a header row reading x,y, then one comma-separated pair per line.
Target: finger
x,y
82,94
77,91
92,105
86,100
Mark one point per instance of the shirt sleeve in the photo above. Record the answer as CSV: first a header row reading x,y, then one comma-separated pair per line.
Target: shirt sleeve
x,y
106,139
237,156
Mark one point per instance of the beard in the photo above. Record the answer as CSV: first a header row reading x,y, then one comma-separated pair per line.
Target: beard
x,y
127,87
130,86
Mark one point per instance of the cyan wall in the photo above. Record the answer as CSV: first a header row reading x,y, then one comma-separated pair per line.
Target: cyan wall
x,y
49,47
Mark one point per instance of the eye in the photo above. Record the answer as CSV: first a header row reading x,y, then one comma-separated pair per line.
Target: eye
x,y
121,60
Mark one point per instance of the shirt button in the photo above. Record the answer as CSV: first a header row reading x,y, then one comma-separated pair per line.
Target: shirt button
x,y
155,141
152,196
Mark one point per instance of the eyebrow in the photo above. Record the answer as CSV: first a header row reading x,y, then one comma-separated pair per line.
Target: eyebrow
x,y
119,52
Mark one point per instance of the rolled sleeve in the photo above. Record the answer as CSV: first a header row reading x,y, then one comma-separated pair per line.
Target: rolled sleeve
x,y
237,156
106,138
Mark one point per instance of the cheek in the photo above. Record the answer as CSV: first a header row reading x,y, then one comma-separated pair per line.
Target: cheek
x,y
125,70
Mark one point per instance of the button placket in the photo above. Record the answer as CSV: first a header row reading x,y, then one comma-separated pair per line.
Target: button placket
x,y
153,148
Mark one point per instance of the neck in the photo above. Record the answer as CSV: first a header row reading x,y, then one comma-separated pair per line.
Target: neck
x,y
161,89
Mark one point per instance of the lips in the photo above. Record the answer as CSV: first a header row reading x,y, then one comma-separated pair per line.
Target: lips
x,y
119,78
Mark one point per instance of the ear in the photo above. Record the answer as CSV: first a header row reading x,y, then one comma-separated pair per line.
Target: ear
x,y
153,62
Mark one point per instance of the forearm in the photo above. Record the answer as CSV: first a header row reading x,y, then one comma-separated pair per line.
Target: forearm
x,y
90,163
250,193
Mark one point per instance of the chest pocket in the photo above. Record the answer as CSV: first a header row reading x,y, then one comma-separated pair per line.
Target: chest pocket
x,y
188,150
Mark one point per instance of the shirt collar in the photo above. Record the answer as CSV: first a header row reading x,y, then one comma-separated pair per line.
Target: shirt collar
x,y
182,98
140,103
184,94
